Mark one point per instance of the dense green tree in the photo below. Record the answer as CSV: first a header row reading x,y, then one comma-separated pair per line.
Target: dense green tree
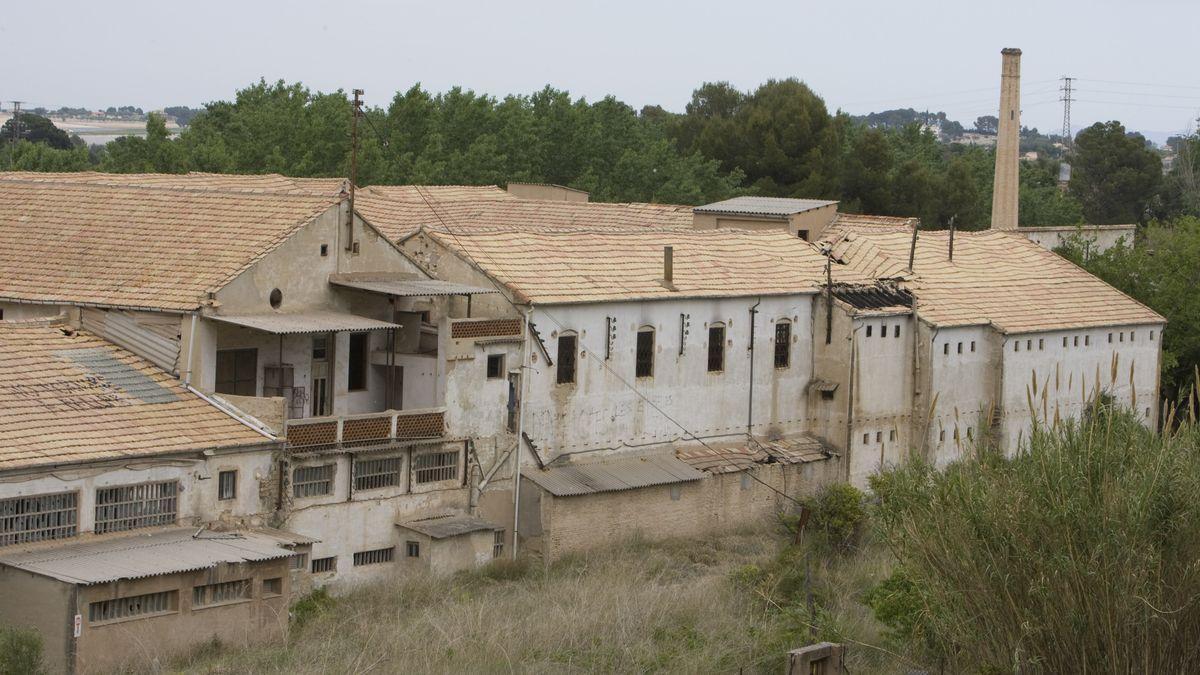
x,y
1042,203
1114,176
28,156
155,153
987,124
36,129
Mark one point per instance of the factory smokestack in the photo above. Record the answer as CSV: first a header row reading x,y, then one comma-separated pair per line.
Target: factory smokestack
x,y
1008,142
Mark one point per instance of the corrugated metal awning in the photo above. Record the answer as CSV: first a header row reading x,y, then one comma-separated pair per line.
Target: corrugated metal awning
x,y
613,475
406,287
306,322
442,527
155,554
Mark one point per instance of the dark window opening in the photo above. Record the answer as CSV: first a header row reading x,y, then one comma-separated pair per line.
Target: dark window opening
x,y
356,379
946,349
644,366
321,565
413,549
960,348
324,250
276,298
716,349
227,485
883,330
803,234
896,331
972,345
495,366
566,358
868,331
237,372
783,344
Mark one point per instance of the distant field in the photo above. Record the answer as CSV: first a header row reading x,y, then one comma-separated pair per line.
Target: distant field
x,y
96,131
638,607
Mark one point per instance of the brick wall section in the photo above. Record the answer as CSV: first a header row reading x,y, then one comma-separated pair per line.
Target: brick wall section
x,y
470,329
714,503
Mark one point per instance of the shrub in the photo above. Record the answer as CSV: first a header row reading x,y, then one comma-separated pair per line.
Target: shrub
x,y
20,651
837,512
310,606
1077,555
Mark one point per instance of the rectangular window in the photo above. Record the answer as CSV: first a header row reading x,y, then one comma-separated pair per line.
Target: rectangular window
x,y
498,543
435,466
312,481
1087,340
1075,342
495,366
320,348
783,344
1110,338
883,330
129,507
892,435
356,372
372,474
868,330
644,366
298,562
566,358
220,594
412,549
1064,341
878,436
25,520
972,345
1017,346
1122,336
227,485
1029,345
272,587
867,437
716,349
960,348
896,331
1041,344
1152,336
237,372
322,565
942,436
946,349
375,557
134,605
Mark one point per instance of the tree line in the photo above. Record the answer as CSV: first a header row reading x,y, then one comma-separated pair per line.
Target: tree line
x,y
778,140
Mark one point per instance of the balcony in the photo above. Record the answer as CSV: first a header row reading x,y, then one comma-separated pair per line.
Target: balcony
x,y
324,434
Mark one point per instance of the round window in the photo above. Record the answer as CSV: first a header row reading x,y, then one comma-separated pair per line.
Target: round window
x,y
276,298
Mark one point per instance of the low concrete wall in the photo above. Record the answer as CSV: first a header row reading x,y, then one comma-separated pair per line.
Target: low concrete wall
x,y
270,410
1100,238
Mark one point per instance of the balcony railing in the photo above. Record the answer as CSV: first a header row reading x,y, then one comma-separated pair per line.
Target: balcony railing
x,y
350,431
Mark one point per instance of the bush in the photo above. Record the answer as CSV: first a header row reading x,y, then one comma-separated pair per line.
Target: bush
x,y
20,651
837,513
1077,555
310,606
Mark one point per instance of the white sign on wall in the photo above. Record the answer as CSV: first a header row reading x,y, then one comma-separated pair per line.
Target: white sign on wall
x,y
78,624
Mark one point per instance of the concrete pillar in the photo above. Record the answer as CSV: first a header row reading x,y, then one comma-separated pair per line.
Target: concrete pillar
x,y
1008,140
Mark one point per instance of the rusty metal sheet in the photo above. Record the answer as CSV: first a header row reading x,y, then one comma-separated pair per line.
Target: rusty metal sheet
x,y
445,526
613,475
321,321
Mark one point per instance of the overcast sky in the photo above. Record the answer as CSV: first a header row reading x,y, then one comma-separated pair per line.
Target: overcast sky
x,y
859,56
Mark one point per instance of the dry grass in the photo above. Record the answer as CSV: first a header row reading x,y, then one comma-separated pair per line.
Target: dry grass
x,y
637,607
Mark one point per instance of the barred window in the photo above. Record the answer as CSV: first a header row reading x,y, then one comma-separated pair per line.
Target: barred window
x,y
566,358
129,507
783,344
134,605
372,474
435,466
413,549
379,555
644,365
272,587
716,349
39,518
321,565
227,485
312,481
298,561
219,594
498,544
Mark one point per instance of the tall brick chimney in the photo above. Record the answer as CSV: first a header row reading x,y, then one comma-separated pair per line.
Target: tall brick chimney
x,y
1008,143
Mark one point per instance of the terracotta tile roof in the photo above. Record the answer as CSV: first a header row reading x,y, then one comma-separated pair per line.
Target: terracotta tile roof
x,y
413,193
570,265
133,246
998,278
729,458
68,398
859,219
271,183
400,219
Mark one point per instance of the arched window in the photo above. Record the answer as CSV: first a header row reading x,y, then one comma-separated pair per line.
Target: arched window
x,y
783,343
568,347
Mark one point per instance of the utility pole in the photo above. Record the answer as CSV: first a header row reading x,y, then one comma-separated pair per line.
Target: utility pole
x,y
16,123
356,112
1066,99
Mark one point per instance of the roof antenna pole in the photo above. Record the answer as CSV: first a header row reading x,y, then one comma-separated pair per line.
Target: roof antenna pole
x,y
951,239
356,113
912,249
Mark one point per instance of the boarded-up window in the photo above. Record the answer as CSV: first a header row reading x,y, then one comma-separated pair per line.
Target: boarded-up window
x,y
129,507
435,466
237,372
566,358
312,481
134,605
374,557
644,365
222,593
356,372
716,349
372,474
783,344
40,518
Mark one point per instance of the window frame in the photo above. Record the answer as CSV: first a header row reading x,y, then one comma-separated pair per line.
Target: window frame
x,y
498,361
567,366
126,514
169,600
374,473
356,373
241,383
63,519
222,494
643,362
298,484
783,348
375,556
441,472
716,348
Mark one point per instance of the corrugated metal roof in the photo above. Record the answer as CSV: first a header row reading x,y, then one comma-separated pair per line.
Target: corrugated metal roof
x,y
613,475
306,322
727,458
154,554
445,526
764,206
411,287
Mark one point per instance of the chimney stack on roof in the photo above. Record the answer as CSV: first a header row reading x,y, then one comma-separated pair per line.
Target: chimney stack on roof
x,y
668,265
1008,140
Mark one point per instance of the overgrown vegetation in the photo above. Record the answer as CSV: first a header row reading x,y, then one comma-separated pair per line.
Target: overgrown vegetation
x,y
20,651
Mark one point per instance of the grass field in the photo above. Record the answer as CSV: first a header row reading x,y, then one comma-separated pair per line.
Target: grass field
x,y
721,604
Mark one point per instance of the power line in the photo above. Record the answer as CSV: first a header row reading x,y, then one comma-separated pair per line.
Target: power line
x,y
1142,105
1142,84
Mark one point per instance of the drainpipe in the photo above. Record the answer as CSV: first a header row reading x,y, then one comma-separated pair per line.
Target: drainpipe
x,y
187,378
525,351
750,405
850,400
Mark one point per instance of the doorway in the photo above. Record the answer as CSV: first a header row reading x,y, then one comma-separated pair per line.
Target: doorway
x,y
322,395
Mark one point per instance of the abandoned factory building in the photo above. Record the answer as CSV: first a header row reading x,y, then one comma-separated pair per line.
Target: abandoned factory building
x,y
219,392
